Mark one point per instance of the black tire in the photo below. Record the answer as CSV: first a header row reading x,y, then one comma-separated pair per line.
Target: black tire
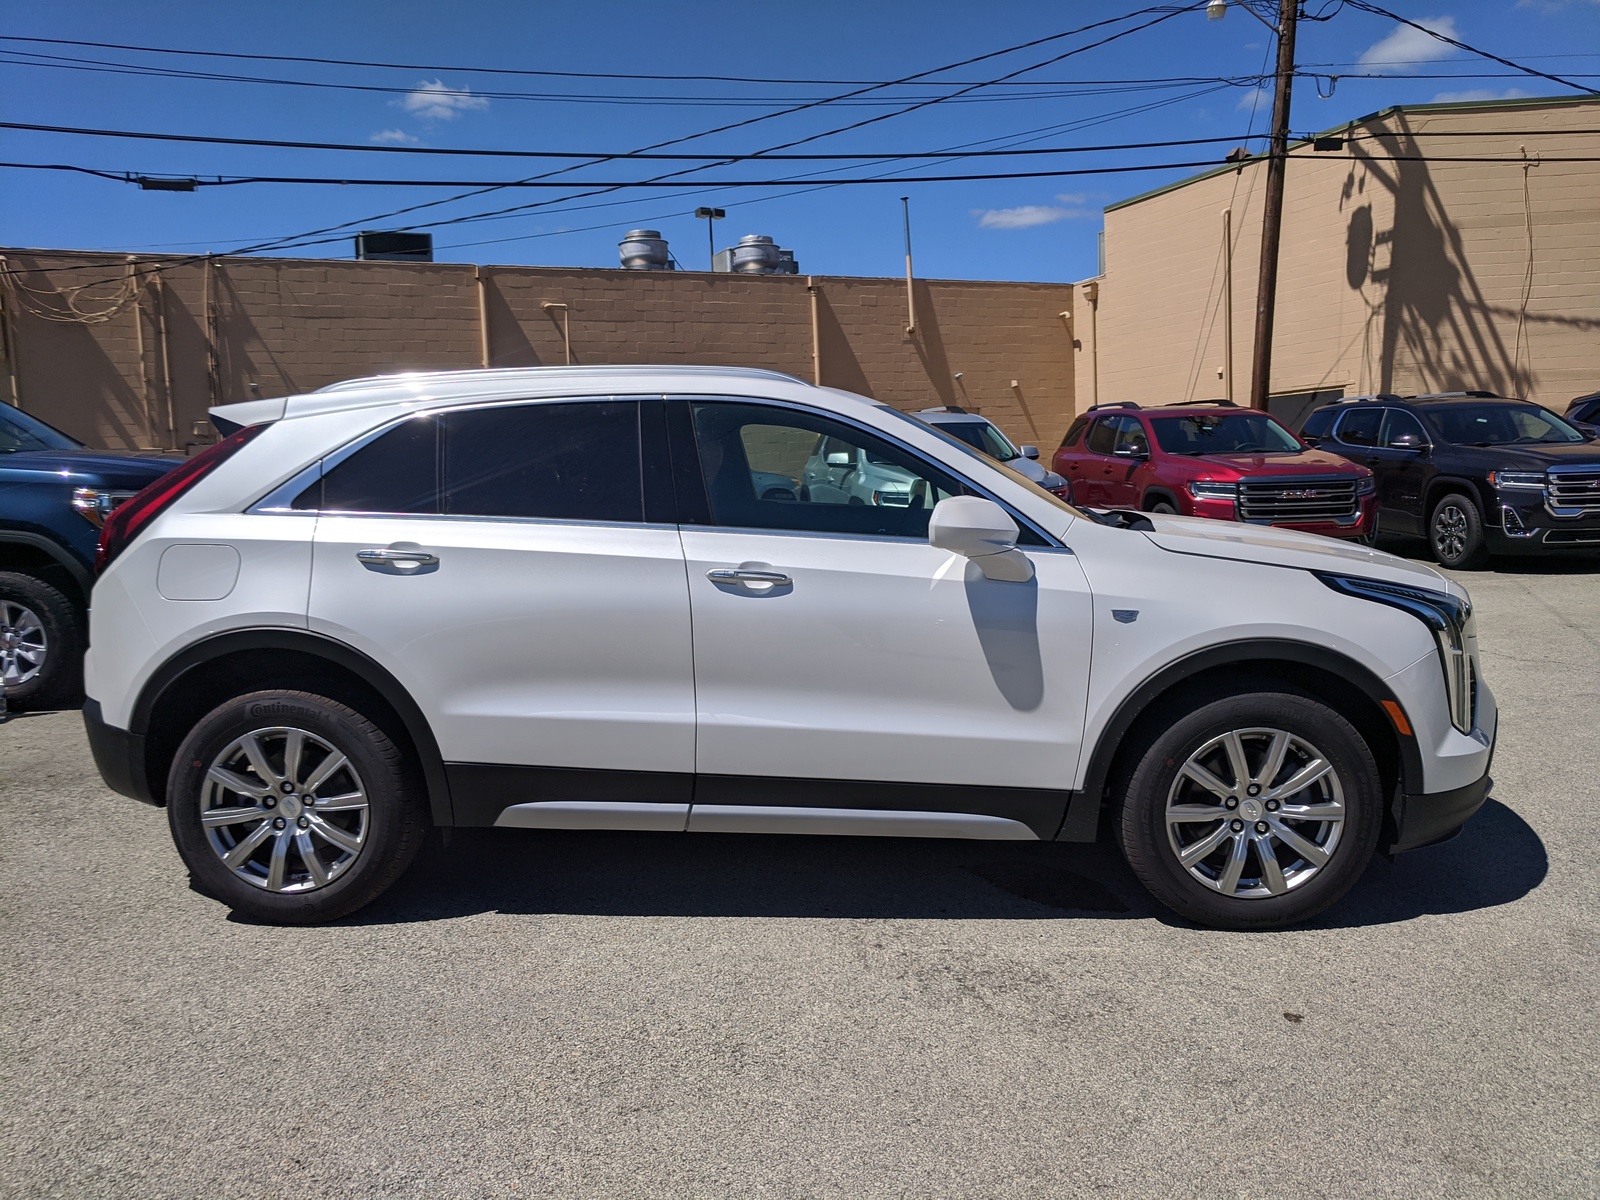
x,y
1163,505
1455,533
1153,854
393,824
53,622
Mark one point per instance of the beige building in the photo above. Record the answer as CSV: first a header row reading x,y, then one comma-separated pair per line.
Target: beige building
x,y
1400,269
130,351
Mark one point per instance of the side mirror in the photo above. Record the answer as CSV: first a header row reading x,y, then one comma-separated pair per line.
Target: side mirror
x,y
981,530
1029,451
839,458
1127,451
1408,441
1311,439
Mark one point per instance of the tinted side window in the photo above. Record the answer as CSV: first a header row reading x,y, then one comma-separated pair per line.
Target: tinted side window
x,y
1101,435
576,462
1074,432
1398,423
398,472
1319,422
1360,426
778,468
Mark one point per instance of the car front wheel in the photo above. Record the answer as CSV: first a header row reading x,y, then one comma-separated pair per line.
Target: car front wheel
x,y
1253,811
293,808
1455,533
41,643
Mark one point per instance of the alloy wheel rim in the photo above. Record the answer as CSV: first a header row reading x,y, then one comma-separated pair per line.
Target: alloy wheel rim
x,y
1255,813
24,646
284,810
1450,531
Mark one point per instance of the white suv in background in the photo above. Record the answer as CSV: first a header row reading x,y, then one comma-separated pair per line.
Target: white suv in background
x,y
568,598
984,436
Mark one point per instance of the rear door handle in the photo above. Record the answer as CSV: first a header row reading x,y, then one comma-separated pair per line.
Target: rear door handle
x,y
397,562
746,575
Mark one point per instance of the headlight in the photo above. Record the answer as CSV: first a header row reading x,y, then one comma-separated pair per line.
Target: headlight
x,y
1205,490
1517,479
1365,487
886,499
94,505
1449,619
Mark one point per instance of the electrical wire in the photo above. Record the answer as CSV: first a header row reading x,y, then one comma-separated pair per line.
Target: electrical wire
x,y
1368,7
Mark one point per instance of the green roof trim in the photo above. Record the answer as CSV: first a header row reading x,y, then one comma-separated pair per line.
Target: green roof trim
x,y
1381,115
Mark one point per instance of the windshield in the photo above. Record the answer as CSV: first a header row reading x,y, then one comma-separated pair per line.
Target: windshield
x,y
988,461
1499,425
980,435
19,431
1230,433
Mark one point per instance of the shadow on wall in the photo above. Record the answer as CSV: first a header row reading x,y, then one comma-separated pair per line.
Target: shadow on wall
x,y
840,366
1433,317
930,349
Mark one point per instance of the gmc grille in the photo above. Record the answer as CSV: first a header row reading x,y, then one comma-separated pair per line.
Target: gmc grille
x,y
1575,493
1296,501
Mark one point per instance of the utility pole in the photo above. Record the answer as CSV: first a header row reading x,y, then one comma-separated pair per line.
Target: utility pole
x,y
1272,214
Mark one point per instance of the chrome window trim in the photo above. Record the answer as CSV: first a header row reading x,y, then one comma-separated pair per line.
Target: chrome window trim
x,y
277,502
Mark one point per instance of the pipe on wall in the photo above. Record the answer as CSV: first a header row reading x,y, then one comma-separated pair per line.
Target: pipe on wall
x,y
483,316
145,403
816,330
159,286
213,379
1227,303
552,306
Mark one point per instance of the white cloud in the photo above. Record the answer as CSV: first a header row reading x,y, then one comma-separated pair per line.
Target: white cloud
x,y
393,137
1023,217
1406,46
1254,100
1478,94
435,102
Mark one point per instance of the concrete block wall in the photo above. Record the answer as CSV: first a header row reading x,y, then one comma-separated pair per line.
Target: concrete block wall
x,y
146,376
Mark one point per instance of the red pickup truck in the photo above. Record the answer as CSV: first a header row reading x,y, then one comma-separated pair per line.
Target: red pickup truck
x,y
1214,460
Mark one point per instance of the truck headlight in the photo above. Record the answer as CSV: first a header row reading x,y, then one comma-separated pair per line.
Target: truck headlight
x,y
94,505
1533,480
1366,486
1449,619
1207,490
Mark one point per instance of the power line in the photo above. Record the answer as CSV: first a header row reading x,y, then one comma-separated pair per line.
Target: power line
x,y
619,155
436,68
1366,6
1054,173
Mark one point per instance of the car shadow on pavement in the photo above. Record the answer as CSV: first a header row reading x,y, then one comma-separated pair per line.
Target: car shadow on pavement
x,y
1496,860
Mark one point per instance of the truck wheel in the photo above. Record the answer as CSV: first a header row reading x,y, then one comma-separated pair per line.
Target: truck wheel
x,y
41,643
1455,534
1253,811
293,808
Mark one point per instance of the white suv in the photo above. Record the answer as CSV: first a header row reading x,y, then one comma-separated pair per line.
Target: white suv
x,y
568,598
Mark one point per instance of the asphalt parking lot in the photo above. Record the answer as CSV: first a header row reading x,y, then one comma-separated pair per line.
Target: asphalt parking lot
x,y
653,1015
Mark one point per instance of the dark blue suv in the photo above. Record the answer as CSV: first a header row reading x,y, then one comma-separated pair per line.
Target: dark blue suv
x,y
54,496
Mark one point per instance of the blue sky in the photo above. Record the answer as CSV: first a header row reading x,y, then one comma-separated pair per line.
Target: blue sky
x,y
1001,229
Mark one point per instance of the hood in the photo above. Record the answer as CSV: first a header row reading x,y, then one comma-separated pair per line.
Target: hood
x,y
1288,548
1530,458
114,466
1307,462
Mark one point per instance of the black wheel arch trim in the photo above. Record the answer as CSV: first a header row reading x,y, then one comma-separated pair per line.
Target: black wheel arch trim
x,y
338,653
1152,494
1083,818
1441,485
62,556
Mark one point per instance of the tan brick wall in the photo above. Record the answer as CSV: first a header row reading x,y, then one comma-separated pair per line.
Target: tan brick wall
x,y
284,326
1393,276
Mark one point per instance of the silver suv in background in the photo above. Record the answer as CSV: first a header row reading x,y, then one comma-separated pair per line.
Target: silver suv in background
x,y
984,435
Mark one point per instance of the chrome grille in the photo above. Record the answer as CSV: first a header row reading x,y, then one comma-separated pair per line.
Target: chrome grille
x,y
1574,493
1296,501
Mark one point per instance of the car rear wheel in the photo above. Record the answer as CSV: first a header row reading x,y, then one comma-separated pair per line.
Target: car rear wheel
x,y
1455,533
41,643
1252,812
293,808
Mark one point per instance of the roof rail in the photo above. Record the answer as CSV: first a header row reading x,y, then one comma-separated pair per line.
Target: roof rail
x,y
1111,404
944,408
1457,396
512,374
1201,404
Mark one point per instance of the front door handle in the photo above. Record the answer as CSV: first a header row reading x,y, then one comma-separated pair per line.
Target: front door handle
x,y
397,562
747,575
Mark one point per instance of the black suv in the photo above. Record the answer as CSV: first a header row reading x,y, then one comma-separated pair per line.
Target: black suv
x,y
1473,472
54,496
